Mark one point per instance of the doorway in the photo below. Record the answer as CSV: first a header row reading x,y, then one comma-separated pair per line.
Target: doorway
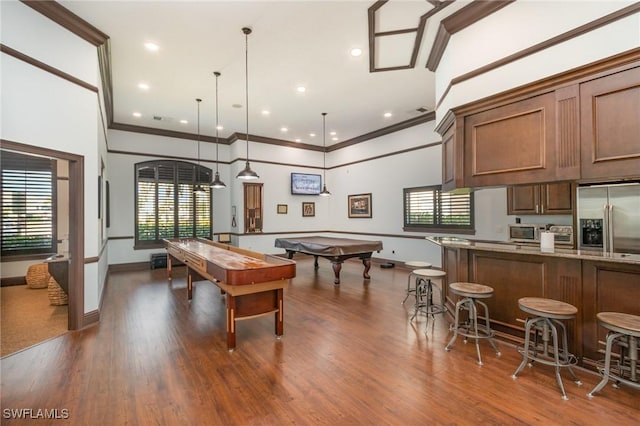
x,y
75,224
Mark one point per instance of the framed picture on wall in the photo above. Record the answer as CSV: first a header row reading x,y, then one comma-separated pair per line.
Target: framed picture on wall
x,y
359,205
308,209
282,209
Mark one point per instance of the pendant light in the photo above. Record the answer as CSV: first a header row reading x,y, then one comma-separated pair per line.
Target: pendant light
x,y
217,183
247,173
198,187
325,192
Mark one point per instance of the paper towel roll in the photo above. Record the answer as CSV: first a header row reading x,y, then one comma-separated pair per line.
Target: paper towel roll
x,y
547,240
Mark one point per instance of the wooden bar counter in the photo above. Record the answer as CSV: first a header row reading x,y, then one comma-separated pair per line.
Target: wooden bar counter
x,y
253,282
590,280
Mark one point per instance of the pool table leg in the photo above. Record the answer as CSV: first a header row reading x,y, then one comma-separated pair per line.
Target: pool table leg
x,y
367,265
315,262
337,266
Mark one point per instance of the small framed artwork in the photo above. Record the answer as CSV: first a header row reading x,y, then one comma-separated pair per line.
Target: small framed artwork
x,y
359,205
308,209
282,209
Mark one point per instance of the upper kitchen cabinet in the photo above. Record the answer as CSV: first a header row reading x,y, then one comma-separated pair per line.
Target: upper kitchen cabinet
x,y
583,124
610,126
517,143
552,198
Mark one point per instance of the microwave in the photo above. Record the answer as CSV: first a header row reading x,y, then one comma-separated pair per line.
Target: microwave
x,y
523,233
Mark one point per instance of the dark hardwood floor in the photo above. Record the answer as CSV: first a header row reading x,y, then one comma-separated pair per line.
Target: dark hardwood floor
x,y
349,355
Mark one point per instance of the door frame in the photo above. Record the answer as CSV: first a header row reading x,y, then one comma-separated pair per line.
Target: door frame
x,y
76,232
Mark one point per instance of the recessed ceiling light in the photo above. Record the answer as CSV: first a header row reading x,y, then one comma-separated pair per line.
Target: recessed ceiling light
x,y
219,127
332,133
284,129
313,135
265,112
301,89
334,138
387,114
184,122
143,86
151,46
137,114
298,140
356,51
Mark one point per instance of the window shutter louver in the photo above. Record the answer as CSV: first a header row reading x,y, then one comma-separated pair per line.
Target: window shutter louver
x,y
168,207
28,200
430,208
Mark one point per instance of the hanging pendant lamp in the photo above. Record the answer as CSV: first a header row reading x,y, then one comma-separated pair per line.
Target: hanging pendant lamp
x,y
325,192
217,183
198,187
247,173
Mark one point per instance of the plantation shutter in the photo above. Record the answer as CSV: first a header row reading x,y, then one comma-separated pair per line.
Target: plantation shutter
x,y
28,200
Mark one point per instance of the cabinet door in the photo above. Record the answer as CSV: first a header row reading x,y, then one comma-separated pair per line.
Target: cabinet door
x,y
557,198
552,198
511,144
610,126
523,199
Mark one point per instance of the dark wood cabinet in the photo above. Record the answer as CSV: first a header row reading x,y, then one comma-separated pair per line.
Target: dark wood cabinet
x,y
606,287
580,125
514,143
540,199
591,286
610,126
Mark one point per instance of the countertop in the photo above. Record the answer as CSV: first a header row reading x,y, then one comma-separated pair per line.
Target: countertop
x,y
559,251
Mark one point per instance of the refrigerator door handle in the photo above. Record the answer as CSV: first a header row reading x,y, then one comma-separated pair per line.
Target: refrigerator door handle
x,y
610,230
605,228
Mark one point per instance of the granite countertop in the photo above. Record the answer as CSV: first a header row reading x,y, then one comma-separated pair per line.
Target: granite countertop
x,y
559,251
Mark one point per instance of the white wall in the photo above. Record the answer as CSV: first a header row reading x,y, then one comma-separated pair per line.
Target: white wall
x,y
351,170
44,110
523,24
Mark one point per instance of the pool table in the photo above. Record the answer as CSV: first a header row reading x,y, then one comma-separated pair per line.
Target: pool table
x,y
337,250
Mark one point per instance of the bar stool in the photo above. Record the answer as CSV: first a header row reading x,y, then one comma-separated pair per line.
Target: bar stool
x,y
624,331
424,293
470,293
413,265
547,314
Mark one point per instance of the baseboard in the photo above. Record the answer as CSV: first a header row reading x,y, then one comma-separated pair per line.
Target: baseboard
x,y
126,267
11,281
90,318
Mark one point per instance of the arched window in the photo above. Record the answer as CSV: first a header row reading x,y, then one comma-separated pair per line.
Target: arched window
x,y
168,204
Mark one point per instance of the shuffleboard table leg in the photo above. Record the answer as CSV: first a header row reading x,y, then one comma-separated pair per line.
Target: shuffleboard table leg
x,y
315,262
189,284
280,313
231,323
337,266
169,266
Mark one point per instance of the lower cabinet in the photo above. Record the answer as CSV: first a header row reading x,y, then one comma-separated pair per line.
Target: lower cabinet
x,y
591,287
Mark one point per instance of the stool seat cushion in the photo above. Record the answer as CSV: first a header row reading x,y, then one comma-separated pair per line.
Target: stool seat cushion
x,y
417,264
623,323
429,273
548,308
471,289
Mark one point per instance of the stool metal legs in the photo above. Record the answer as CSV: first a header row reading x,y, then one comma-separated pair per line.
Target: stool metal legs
x,y
546,326
424,300
630,343
471,328
410,291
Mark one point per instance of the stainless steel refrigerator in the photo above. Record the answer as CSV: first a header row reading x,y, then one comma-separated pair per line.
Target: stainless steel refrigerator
x,y
609,217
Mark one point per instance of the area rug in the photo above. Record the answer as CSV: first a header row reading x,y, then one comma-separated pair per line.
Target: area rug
x,y
27,318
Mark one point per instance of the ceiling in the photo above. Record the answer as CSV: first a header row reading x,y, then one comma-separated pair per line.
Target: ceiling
x,y
292,44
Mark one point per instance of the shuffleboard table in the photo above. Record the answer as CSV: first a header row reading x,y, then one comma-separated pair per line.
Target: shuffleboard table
x,y
252,282
337,250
